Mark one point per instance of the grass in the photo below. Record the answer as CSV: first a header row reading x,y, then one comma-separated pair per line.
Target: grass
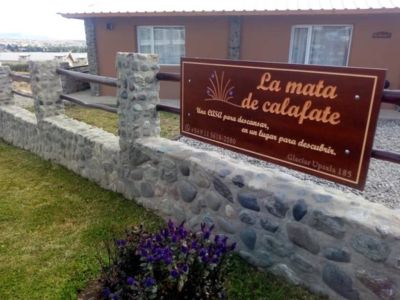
x,y
53,223
169,122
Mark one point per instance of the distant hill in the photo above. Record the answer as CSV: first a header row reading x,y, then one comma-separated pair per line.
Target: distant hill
x,y
22,36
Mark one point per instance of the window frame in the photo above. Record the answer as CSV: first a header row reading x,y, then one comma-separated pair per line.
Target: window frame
x,y
309,35
152,38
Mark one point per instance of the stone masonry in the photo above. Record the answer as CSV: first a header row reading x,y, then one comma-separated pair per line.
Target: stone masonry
x,y
333,243
235,24
90,32
46,88
71,85
6,97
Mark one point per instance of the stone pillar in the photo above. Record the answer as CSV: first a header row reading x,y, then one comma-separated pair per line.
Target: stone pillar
x,y
137,96
90,31
235,24
6,96
46,89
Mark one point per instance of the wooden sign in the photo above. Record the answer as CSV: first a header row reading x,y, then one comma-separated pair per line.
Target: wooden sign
x,y
319,120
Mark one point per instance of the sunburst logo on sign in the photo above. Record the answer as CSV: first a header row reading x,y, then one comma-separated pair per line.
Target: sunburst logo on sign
x,y
219,90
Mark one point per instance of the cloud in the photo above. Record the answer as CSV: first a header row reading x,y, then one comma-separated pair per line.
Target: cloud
x,y
40,18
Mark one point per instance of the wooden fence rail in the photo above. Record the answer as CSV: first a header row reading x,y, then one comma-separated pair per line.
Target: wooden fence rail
x,y
20,77
88,105
27,95
110,81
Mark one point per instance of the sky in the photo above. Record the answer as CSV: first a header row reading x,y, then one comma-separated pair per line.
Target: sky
x,y
39,18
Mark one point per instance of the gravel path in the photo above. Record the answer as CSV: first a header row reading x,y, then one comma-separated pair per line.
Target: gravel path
x,y
383,182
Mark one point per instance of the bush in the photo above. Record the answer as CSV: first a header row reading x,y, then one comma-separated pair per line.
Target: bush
x,y
171,264
18,67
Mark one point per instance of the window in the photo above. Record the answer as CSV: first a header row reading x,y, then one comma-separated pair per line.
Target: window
x,y
166,41
320,44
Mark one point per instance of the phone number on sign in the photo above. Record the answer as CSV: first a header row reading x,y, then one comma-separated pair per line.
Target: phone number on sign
x,y
213,135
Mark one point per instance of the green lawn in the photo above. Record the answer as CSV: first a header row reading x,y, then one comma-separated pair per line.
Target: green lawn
x,y
109,122
53,223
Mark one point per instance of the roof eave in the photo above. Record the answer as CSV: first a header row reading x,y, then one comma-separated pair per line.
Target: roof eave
x,y
231,13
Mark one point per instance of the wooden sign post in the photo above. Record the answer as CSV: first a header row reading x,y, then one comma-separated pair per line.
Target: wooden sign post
x,y
319,120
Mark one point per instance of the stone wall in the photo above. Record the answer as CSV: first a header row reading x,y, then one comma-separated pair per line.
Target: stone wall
x,y
333,243
71,85
235,27
90,32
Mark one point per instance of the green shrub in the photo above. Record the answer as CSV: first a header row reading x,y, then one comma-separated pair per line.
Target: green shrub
x,y
18,67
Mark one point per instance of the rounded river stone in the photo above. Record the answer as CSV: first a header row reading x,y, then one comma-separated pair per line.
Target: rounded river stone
x,y
299,210
249,237
339,281
248,200
187,190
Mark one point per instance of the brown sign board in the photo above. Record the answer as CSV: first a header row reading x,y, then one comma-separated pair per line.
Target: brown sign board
x,y
315,119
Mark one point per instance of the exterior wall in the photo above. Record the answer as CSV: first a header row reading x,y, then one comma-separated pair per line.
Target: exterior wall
x,y
336,244
265,38
205,37
273,33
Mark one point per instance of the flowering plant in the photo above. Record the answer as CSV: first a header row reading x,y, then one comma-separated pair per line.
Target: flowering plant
x,y
173,263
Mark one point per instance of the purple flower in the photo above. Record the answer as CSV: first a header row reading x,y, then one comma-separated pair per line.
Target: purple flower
x,y
233,246
149,281
106,292
194,244
174,273
165,233
216,238
158,238
182,232
121,243
206,234
174,238
167,260
113,297
184,249
202,252
185,268
130,281
215,260
171,225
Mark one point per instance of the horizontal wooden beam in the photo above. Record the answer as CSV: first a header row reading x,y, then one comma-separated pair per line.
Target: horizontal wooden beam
x,y
19,77
88,105
167,108
391,96
385,155
27,95
169,76
110,81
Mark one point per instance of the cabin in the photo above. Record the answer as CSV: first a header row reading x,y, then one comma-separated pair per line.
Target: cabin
x,y
337,33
